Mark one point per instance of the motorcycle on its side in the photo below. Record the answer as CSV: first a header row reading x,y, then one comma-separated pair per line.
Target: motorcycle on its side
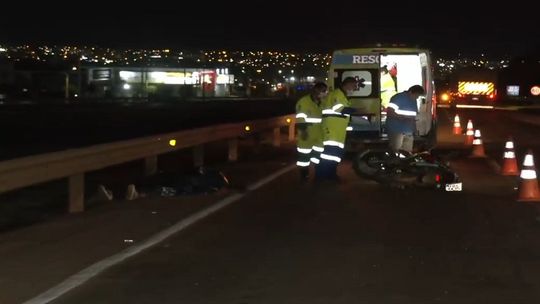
x,y
406,170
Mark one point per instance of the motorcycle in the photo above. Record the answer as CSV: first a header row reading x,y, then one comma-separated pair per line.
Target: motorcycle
x,y
406,170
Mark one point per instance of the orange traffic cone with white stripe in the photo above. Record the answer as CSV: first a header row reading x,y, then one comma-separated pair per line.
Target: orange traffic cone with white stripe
x,y
469,138
478,146
457,126
509,166
528,187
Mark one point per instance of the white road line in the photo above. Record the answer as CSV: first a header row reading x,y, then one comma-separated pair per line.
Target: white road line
x,y
86,274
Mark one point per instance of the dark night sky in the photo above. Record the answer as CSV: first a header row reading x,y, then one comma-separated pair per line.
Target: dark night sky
x,y
450,28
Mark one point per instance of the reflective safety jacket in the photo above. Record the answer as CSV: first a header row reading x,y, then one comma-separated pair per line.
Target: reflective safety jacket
x,y
308,114
334,122
388,89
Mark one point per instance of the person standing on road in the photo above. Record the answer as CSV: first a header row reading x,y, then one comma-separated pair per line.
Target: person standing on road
x,y
336,113
309,130
401,122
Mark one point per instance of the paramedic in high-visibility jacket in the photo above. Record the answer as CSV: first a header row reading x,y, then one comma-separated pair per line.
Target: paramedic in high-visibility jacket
x,y
309,131
336,112
388,87
401,120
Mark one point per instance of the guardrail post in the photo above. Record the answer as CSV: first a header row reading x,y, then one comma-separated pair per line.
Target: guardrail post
x,y
292,131
150,165
277,137
76,193
233,149
198,155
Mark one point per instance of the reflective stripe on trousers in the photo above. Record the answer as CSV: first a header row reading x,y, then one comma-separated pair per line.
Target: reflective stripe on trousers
x,y
330,158
332,153
305,156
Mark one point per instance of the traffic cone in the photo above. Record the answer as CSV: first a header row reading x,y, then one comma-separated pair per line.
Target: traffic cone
x,y
509,166
528,187
457,126
469,138
478,146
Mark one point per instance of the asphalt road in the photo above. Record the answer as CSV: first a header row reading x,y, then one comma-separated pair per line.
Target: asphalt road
x,y
355,242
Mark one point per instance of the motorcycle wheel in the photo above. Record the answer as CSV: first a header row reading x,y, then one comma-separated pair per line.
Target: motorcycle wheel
x,y
370,163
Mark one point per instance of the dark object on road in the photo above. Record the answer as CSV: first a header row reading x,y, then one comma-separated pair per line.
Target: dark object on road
x,y
404,170
202,181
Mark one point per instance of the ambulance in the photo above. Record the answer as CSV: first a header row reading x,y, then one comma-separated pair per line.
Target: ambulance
x,y
382,72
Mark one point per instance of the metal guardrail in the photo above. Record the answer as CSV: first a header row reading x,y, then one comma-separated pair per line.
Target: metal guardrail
x,y
74,163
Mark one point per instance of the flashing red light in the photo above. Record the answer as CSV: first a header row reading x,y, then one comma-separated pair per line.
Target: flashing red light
x,y
433,105
491,96
438,178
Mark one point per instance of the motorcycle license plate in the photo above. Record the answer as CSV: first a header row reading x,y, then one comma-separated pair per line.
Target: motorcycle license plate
x,y
453,187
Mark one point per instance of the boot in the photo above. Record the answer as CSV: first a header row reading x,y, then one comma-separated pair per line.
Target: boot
x,y
304,174
131,192
104,194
